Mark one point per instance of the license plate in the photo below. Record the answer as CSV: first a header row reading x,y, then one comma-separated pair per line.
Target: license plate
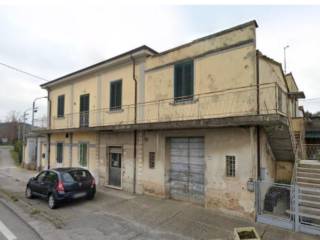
x,y
79,195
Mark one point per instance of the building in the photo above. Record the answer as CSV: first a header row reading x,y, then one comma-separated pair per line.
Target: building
x,y
200,122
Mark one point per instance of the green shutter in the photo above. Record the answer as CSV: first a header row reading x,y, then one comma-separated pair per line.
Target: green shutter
x,y
115,95
60,110
183,81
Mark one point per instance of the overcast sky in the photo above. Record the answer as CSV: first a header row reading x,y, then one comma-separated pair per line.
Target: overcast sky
x,y
54,40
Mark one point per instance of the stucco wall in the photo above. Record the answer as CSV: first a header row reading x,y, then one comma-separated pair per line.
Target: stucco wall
x,y
221,192
284,171
125,141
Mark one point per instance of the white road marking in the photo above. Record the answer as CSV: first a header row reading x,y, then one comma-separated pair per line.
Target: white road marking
x,y
6,232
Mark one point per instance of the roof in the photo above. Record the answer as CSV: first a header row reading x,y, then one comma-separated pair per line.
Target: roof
x,y
83,70
68,169
146,48
246,24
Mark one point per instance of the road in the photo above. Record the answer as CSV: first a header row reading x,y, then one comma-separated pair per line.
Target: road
x,y
11,226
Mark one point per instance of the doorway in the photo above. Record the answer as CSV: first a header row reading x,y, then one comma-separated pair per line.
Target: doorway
x,y
115,165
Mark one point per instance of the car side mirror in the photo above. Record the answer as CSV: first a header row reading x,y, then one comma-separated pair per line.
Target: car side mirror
x,y
33,178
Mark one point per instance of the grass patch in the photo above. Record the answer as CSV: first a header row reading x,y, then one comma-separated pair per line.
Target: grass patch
x,y
15,157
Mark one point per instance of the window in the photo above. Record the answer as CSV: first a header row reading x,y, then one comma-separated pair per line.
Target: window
x,y
115,95
59,153
51,177
83,154
42,176
60,106
183,81
230,166
152,160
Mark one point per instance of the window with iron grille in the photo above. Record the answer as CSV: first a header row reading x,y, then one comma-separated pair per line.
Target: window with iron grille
x,y
152,160
60,110
83,154
115,95
183,81
230,166
59,153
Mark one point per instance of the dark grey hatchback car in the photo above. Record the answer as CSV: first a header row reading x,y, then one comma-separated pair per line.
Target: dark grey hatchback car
x,y
60,184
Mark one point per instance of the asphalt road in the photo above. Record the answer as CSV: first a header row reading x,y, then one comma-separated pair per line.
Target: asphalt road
x,y
13,228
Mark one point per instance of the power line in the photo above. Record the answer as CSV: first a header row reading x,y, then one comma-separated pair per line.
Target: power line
x,y
22,71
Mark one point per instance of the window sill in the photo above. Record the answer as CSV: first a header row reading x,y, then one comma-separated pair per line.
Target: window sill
x,y
186,101
60,117
120,110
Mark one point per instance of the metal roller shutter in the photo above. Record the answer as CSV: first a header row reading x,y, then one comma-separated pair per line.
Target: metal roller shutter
x,y
187,169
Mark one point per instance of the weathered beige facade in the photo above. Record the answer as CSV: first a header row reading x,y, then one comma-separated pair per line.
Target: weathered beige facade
x,y
240,99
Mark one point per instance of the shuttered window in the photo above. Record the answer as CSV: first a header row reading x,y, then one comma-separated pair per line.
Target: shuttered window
x,y
83,154
59,153
60,111
115,95
183,81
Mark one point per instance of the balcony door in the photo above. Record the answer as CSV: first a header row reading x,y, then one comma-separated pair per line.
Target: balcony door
x,y
84,110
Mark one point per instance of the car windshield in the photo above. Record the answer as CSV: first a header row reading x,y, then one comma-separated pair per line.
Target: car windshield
x,y
76,175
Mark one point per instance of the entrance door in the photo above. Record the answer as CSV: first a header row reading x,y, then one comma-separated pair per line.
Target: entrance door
x,y
115,162
84,110
187,169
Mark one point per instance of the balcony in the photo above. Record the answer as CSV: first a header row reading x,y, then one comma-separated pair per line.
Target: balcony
x,y
230,103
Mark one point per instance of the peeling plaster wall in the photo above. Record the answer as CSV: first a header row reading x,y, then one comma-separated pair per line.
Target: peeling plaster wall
x,y
125,141
215,74
268,163
221,192
284,171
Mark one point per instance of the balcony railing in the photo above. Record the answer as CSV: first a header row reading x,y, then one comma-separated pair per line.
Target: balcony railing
x,y
224,103
312,151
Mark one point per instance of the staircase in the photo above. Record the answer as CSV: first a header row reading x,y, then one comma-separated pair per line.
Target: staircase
x,y
308,180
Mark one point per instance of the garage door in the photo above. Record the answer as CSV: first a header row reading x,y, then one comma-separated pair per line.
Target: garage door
x,y
187,169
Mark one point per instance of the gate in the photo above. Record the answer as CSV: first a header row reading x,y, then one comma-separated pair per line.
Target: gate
x,y
187,169
288,206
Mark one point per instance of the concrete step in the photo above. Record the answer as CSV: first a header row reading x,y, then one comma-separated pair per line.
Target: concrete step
x,y
309,185
310,196
309,170
308,180
312,166
308,174
310,191
312,204
309,210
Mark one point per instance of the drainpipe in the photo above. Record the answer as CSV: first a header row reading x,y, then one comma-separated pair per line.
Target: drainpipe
x,y
258,112
135,121
48,146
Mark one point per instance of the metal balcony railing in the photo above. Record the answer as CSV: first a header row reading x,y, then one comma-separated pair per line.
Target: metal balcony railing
x,y
224,103
312,151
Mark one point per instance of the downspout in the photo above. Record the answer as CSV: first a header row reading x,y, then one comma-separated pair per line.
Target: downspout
x,y
258,113
49,127
135,121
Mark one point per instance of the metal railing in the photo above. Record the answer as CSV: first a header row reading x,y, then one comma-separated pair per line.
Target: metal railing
x,y
312,151
224,103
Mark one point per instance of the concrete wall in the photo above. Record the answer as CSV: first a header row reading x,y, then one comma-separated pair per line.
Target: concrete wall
x,y
284,171
71,151
125,141
225,193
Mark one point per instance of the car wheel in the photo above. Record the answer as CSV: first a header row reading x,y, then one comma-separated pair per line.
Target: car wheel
x,y
28,193
90,196
52,202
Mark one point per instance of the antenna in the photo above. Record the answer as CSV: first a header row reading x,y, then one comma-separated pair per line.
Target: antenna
x,y
285,58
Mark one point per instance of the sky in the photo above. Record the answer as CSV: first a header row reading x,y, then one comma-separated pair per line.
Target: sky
x,y
56,39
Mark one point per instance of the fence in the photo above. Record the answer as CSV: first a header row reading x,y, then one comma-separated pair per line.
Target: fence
x,y
312,151
224,103
288,206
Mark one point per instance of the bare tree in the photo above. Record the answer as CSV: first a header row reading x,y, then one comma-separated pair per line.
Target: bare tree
x,y
12,116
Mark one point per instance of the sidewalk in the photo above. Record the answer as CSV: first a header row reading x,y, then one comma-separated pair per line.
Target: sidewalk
x,y
115,214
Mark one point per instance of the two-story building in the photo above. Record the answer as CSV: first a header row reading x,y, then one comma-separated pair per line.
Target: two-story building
x,y
199,122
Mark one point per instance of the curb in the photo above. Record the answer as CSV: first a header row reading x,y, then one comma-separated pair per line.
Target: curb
x,y
24,219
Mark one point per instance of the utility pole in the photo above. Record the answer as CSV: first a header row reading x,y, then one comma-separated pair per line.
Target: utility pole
x,y
34,109
285,58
